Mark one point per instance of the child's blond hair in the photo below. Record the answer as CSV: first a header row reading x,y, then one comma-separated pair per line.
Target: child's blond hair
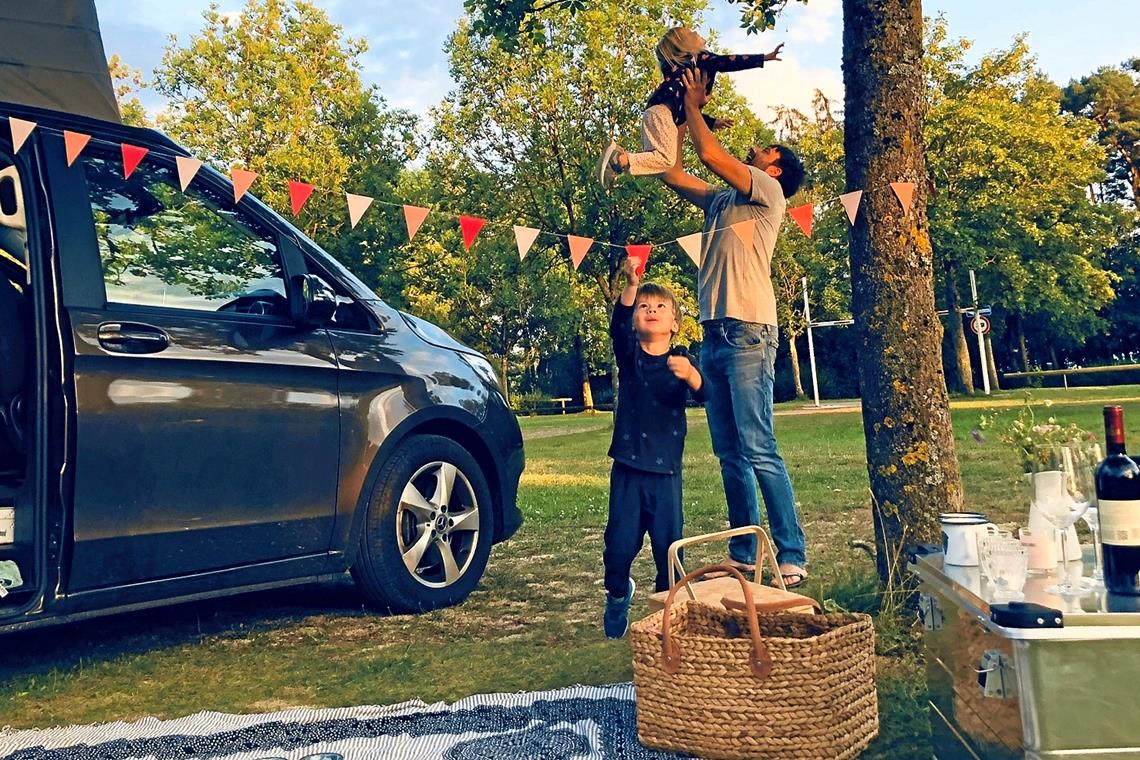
x,y
678,47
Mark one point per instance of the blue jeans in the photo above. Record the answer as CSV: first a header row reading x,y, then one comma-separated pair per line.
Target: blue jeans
x,y
738,364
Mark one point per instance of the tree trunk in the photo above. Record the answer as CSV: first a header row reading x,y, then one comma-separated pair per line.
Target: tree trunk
x,y
911,456
991,365
795,357
584,374
1022,346
964,381
503,367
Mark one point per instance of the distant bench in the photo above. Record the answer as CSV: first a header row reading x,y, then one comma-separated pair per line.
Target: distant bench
x,y
1064,373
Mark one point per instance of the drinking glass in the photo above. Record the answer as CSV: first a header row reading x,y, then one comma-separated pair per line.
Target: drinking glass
x,y
1062,477
1006,563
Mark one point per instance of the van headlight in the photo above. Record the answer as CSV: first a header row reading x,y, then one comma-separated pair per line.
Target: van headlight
x,y
484,370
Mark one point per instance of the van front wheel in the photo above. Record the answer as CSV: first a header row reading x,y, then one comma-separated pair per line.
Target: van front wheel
x,y
427,533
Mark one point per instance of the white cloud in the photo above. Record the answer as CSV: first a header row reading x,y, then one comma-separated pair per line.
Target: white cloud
x,y
790,85
818,21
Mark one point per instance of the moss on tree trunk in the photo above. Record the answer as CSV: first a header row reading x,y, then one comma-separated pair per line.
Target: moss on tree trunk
x,y
911,456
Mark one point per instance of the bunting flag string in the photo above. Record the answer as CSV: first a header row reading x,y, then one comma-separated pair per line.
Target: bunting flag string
x,y
21,129
414,217
578,247
803,216
299,193
357,205
74,143
524,239
470,226
905,193
187,168
242,179
850,203
132,156
641,253
691,245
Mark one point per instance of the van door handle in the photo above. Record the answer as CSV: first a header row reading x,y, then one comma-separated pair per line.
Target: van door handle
x,y
132,338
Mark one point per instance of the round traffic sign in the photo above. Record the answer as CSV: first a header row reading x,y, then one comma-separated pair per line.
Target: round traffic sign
x,y
980,325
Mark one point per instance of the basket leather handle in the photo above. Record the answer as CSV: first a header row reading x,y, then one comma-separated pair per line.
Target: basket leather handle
x,y
775,606
760,662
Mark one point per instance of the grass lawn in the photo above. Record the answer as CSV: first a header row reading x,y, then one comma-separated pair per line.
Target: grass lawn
x,y
534,623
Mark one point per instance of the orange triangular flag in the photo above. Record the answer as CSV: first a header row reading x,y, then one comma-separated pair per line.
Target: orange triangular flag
x,y
20,131
74,142
414,217
691,244
299,193
132,155
470,225
187,168
803,216
850,203
524,238
641,253
242,179
744,231
357,205
905,192
578,247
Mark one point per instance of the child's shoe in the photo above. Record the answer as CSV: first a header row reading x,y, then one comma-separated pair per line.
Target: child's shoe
x,y
615,621
605,171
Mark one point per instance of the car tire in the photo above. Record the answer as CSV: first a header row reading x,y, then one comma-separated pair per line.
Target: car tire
x,y
423,547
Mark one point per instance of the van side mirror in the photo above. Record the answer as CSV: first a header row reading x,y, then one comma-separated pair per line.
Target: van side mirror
x,y
313,302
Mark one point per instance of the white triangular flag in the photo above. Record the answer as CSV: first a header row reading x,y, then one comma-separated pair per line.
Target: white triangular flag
x,y
850,203
357,205
691,244
524,237
20,131
187,168
744,231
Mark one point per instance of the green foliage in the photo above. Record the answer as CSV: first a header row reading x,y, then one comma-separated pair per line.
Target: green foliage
x,y
1033,425
278,91
516,23
128,83
1110,97
1012,201
516,142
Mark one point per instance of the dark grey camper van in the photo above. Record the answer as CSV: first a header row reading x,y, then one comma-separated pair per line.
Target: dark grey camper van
x,y
196,400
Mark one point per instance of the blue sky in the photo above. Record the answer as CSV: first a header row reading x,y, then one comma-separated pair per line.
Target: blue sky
x,y
406,48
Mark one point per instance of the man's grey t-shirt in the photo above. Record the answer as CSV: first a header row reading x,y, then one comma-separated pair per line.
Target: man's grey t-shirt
x,y
735,282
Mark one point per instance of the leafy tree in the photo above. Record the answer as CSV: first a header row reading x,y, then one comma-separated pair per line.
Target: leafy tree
x,y
1012,173
536,121
1111,98
278,91
128,83
512,21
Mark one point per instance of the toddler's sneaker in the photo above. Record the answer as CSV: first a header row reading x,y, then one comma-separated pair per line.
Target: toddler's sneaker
x,y
615,621
605,171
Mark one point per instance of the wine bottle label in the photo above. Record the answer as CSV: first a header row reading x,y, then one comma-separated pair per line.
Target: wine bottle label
x,y
1119,522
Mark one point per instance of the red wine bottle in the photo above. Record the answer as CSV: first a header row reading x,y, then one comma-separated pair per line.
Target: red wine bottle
x,y
1118,504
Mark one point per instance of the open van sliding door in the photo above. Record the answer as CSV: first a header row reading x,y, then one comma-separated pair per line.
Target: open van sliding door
x,y
29,356
207,423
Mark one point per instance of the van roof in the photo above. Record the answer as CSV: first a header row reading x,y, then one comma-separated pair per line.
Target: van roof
x,y
108,130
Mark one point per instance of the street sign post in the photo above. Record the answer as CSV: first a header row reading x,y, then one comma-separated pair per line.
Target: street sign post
x,y
980,325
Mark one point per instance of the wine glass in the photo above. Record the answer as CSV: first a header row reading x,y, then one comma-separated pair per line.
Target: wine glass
x,y
1091,518
1062,477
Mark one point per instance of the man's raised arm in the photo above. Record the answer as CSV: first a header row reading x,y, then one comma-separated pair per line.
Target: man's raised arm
x,y
693,189
709,150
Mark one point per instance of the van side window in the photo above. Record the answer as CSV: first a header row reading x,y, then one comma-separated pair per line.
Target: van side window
x,y
160,246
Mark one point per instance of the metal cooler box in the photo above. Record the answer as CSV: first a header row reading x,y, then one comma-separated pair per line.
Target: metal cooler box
x,y
1000,692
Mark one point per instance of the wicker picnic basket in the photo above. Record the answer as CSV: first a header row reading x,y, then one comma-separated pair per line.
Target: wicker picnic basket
x,y
728,684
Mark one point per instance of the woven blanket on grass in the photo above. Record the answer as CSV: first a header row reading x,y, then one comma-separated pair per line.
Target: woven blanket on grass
x,y
566,724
